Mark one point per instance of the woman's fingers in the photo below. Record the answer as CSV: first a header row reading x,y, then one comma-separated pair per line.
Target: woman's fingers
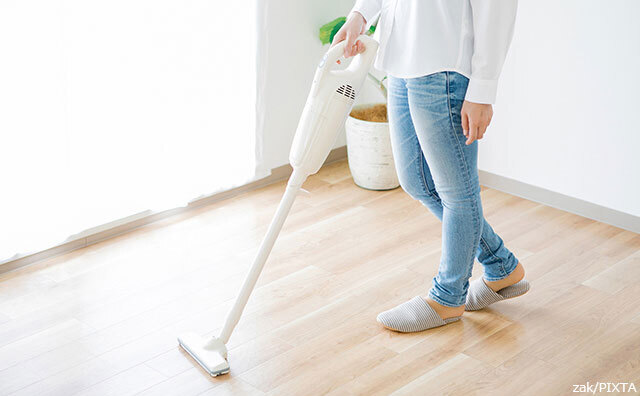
x,y
481,130
476,131
485,124
473,133
475,119
348,48
356,48
465,123
352,47
349,32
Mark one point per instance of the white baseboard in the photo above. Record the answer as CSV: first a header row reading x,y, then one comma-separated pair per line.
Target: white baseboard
x,y
560,201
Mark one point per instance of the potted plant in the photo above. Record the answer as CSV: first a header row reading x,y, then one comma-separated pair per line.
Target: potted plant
x,y
368,143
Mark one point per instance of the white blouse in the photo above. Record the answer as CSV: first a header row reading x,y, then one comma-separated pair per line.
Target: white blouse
x,y
420,37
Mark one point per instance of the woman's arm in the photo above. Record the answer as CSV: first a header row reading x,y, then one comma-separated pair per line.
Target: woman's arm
x,y
493,23
369,9
358,21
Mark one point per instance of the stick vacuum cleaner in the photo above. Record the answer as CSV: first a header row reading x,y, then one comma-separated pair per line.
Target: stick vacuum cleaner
x,y
332,95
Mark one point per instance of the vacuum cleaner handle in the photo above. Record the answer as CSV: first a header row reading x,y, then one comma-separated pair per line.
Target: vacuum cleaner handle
x,y
360,64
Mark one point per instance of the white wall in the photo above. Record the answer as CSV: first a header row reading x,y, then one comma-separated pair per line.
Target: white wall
x,y
567,117
293,52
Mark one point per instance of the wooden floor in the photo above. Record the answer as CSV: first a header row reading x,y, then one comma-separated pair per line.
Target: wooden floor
x,y
103,320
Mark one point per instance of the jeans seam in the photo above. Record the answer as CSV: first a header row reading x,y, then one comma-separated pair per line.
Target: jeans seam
x,y
466,166
457,143
422,160
421,166
424,178
503,271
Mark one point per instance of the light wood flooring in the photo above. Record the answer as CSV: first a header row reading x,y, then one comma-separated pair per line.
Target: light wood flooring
x,y
103,320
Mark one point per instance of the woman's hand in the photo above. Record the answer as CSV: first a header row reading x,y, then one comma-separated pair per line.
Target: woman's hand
x,y
352,28
476,117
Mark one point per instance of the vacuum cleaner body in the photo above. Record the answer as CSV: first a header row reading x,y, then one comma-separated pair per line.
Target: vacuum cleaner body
x,y
332,94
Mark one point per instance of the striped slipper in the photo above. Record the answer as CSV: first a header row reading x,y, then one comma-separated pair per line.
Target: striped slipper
x,y
480,295
411,316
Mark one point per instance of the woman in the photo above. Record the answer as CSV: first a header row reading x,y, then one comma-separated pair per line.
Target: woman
x,y
443,59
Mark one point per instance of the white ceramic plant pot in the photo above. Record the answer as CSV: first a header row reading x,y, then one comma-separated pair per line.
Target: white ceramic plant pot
x,y
369,154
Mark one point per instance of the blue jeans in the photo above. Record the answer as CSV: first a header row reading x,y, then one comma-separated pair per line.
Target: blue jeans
x,y
436,168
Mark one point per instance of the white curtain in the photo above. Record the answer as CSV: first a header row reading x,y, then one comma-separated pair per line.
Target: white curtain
x,y
111,108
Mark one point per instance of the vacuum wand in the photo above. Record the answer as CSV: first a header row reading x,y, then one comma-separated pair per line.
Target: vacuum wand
x,y
293,186
332,95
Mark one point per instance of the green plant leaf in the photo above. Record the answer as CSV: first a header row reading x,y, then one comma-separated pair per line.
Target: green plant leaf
x,y
328,30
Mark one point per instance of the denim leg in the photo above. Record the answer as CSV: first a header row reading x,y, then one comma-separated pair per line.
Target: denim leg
x,y
412,169
498,261
415,178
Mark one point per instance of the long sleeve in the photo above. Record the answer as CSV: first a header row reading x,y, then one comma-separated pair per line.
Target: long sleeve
x,y
493,23
369,9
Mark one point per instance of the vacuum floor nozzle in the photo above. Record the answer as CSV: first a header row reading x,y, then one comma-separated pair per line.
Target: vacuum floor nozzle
x,y
210,358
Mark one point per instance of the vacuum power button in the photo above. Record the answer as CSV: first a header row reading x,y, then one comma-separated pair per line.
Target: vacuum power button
x,y
323,61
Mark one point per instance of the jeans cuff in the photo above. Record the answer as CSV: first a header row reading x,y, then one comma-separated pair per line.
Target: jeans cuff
x,y
505,270
440,301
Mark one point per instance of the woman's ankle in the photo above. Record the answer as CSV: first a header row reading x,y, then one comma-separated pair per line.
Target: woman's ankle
x,y
444,311
514,277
